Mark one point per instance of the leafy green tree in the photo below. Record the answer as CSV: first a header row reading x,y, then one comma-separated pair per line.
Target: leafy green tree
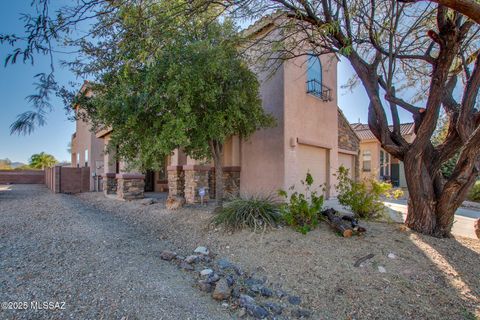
x,y
42,160
193,93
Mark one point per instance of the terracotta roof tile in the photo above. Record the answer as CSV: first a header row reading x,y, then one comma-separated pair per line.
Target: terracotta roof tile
x,y
364,132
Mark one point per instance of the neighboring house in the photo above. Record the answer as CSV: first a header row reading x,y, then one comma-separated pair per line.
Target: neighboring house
x,y
311,135
376,162
86,149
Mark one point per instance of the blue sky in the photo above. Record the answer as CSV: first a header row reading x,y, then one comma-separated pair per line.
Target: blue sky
x,y
16,82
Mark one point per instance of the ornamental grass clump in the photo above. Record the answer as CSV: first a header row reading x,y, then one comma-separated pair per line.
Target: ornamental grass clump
x,y
255,212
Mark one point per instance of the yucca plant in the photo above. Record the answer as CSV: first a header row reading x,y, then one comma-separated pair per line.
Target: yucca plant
x,y
256,212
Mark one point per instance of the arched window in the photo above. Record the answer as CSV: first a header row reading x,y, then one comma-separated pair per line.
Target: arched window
x,y
314,78
314,72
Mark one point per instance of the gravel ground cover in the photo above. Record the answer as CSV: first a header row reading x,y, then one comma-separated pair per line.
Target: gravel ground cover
x,y
409,276
90,263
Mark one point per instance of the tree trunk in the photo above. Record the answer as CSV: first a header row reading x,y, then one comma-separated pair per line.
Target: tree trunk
x,y
431,212
217,153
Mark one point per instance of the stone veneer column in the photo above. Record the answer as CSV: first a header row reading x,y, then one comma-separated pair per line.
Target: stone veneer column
x,y
176,181
231,180
109,183
196,177
130,186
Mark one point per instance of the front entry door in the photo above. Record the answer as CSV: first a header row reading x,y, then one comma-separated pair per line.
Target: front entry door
x,y
150,181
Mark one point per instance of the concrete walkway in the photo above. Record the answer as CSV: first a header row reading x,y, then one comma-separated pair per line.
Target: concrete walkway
x,y
397,209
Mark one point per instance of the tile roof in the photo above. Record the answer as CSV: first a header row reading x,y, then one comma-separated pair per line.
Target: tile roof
x,y
364,132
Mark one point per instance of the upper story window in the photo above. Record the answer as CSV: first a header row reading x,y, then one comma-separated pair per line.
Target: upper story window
x,y
315,78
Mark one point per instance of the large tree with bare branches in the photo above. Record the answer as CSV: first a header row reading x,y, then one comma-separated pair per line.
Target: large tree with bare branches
x,y
421,56
397,48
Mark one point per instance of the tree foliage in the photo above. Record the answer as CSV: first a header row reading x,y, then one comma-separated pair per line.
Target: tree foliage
x,y
184,88
42,160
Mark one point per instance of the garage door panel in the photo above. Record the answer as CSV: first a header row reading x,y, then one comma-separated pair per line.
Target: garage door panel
x,y
314,160
348,161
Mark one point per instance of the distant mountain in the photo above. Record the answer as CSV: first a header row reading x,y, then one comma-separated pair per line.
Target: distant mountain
x,y
17,164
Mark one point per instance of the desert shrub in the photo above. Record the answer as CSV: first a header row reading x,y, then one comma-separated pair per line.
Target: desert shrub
x,y
364,197
254,211
474,194
301,211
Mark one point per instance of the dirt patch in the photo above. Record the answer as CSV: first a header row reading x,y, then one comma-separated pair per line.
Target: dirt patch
x,y
425,278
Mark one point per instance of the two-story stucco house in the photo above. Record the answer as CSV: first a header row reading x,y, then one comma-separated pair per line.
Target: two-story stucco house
x,y
311,135
376,162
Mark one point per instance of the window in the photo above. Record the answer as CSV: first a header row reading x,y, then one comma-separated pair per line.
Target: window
x,y
315,78
86,158
78,160
384,164
367,160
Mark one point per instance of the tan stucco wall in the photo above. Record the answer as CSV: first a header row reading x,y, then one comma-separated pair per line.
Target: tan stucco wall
x,y
309,118
262,155
374,147
85,140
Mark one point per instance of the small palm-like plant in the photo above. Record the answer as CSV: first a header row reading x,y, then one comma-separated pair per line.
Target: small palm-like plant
x,y
256,212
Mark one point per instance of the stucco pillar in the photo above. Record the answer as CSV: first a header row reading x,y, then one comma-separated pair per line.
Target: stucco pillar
x,y
130,186
196,178
109,170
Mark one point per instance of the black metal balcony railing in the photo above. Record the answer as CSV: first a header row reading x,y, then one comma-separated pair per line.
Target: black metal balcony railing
x,y
316,88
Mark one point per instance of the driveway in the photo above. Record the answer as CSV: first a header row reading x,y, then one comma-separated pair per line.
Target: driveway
x,y
86,263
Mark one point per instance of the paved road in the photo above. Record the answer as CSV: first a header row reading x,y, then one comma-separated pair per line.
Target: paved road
x,y
56,248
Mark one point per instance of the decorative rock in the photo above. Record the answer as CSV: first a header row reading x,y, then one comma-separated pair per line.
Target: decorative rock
x,y
253,282
230,280
295,300
236,292
257,312
202,250
212,278
191,259
275,308
301,313
280,293
204,286
266,292
186,266
392,255
222,290
245,300
225,264
174,202
167,255
206,272
382,269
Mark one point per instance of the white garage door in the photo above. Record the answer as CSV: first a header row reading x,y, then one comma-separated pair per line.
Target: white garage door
x,y
348,161
313,159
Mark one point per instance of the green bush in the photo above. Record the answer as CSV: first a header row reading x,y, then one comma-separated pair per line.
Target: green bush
x,y
363,198
302,210
255,212
474,194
